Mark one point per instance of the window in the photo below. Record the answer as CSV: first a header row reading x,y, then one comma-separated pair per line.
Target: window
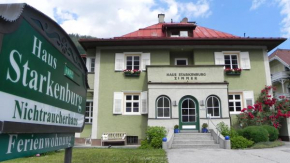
x,y
181,61
163,107
132,140
183,33
235,103
132,62
89,112
92,65
213,106
231,61
132,103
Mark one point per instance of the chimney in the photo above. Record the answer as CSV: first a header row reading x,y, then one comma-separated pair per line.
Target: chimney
x,y
161,18
184,20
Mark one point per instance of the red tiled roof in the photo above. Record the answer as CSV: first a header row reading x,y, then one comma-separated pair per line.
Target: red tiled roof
x,y
283,54
198,32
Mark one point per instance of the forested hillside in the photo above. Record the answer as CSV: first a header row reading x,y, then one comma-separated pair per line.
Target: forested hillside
x,y
75,38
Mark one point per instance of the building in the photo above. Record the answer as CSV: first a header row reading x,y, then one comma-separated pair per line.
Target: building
x,y
279,62
189,74
280,71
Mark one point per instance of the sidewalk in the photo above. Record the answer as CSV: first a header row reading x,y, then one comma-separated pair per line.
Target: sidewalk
x,y
269,155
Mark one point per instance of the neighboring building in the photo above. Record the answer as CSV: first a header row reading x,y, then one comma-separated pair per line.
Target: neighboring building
x,y
280,71
182,79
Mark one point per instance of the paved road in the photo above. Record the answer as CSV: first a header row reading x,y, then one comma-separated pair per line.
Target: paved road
x,y
269,155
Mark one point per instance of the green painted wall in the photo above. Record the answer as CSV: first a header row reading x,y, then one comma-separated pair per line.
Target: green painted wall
x,y
87,131
181,54
110,82
276,66
91,80
204,57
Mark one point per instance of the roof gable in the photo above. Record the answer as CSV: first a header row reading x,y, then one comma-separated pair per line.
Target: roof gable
x,y
282,55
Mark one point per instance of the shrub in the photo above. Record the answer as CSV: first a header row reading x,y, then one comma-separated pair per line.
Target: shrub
x,y
223,128
154,137
240,142
272,131
256,134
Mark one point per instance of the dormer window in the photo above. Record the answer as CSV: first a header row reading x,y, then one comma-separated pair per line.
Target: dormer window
x,y
183,33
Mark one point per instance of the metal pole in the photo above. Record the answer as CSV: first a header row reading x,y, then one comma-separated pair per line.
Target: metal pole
x,y
68,155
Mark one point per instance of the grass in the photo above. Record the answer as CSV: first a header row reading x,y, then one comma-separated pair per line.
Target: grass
x,y
94,155
267,144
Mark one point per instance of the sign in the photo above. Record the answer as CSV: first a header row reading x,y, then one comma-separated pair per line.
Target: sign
x,y
21,145
42,78
185,74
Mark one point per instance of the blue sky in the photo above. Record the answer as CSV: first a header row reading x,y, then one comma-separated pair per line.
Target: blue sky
x,y
99,18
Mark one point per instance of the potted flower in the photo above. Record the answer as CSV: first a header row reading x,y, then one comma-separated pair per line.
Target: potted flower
x,y
234,71
176,130
204,128
135,73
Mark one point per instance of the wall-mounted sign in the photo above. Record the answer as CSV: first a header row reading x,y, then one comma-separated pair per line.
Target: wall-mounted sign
x,y
185,74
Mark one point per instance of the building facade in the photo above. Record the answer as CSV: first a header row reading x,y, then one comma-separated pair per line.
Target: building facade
x,y
175,73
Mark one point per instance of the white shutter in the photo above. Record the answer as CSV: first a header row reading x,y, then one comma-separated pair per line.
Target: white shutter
x,y
119,62
144,108
248,98
145,60
219,58
245,60
88,64
118,103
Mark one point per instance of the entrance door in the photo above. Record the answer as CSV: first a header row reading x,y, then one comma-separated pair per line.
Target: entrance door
x,y
188,114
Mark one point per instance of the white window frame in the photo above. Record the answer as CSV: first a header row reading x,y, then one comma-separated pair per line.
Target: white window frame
x,y
231,64
132,101
213,107
176,59
183,33
89,64
163,107
234,101
91,107
133,55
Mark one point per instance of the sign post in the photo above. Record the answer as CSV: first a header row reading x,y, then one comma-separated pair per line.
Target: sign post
x,y
43,84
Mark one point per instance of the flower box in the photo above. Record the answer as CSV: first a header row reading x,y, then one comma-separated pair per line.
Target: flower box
x,y
132,73
236,71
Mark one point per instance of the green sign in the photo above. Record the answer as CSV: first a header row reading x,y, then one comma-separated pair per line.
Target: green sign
x,y
21,145
42,82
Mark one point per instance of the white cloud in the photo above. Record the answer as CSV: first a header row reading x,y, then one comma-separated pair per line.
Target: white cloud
x,y
285,11
111,18
256,4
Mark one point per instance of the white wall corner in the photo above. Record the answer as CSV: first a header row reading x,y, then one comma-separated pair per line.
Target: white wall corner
x,y
267,67
96,94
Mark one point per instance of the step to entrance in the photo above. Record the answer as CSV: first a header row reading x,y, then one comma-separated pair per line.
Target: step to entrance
x,y
193,140
188,131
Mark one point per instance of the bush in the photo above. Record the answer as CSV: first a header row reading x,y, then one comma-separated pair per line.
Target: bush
x,y
154,137
256,134
223,128
272,131
240,142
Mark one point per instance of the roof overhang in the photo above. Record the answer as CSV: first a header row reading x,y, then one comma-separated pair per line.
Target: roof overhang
x,y
270,43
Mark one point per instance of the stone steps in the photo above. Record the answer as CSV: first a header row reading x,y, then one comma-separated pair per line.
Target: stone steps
x,y
193,140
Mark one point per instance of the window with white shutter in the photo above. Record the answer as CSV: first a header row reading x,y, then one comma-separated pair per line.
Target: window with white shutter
x,y
119,62
248,98
219,58
144,108
118,103
145,60
245,60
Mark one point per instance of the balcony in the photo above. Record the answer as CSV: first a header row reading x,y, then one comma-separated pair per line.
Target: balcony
x,y
185,74
280,75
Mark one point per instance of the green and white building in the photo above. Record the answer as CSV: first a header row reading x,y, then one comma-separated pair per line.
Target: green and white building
x,y
182,79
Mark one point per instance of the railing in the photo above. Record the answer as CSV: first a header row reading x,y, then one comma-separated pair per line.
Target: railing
x,y
280,75
217,129
286,95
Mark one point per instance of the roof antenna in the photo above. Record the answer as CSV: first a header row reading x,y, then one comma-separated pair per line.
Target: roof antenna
x,y
171,21
244,34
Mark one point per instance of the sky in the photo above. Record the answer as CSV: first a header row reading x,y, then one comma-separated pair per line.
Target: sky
x,y
111,18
